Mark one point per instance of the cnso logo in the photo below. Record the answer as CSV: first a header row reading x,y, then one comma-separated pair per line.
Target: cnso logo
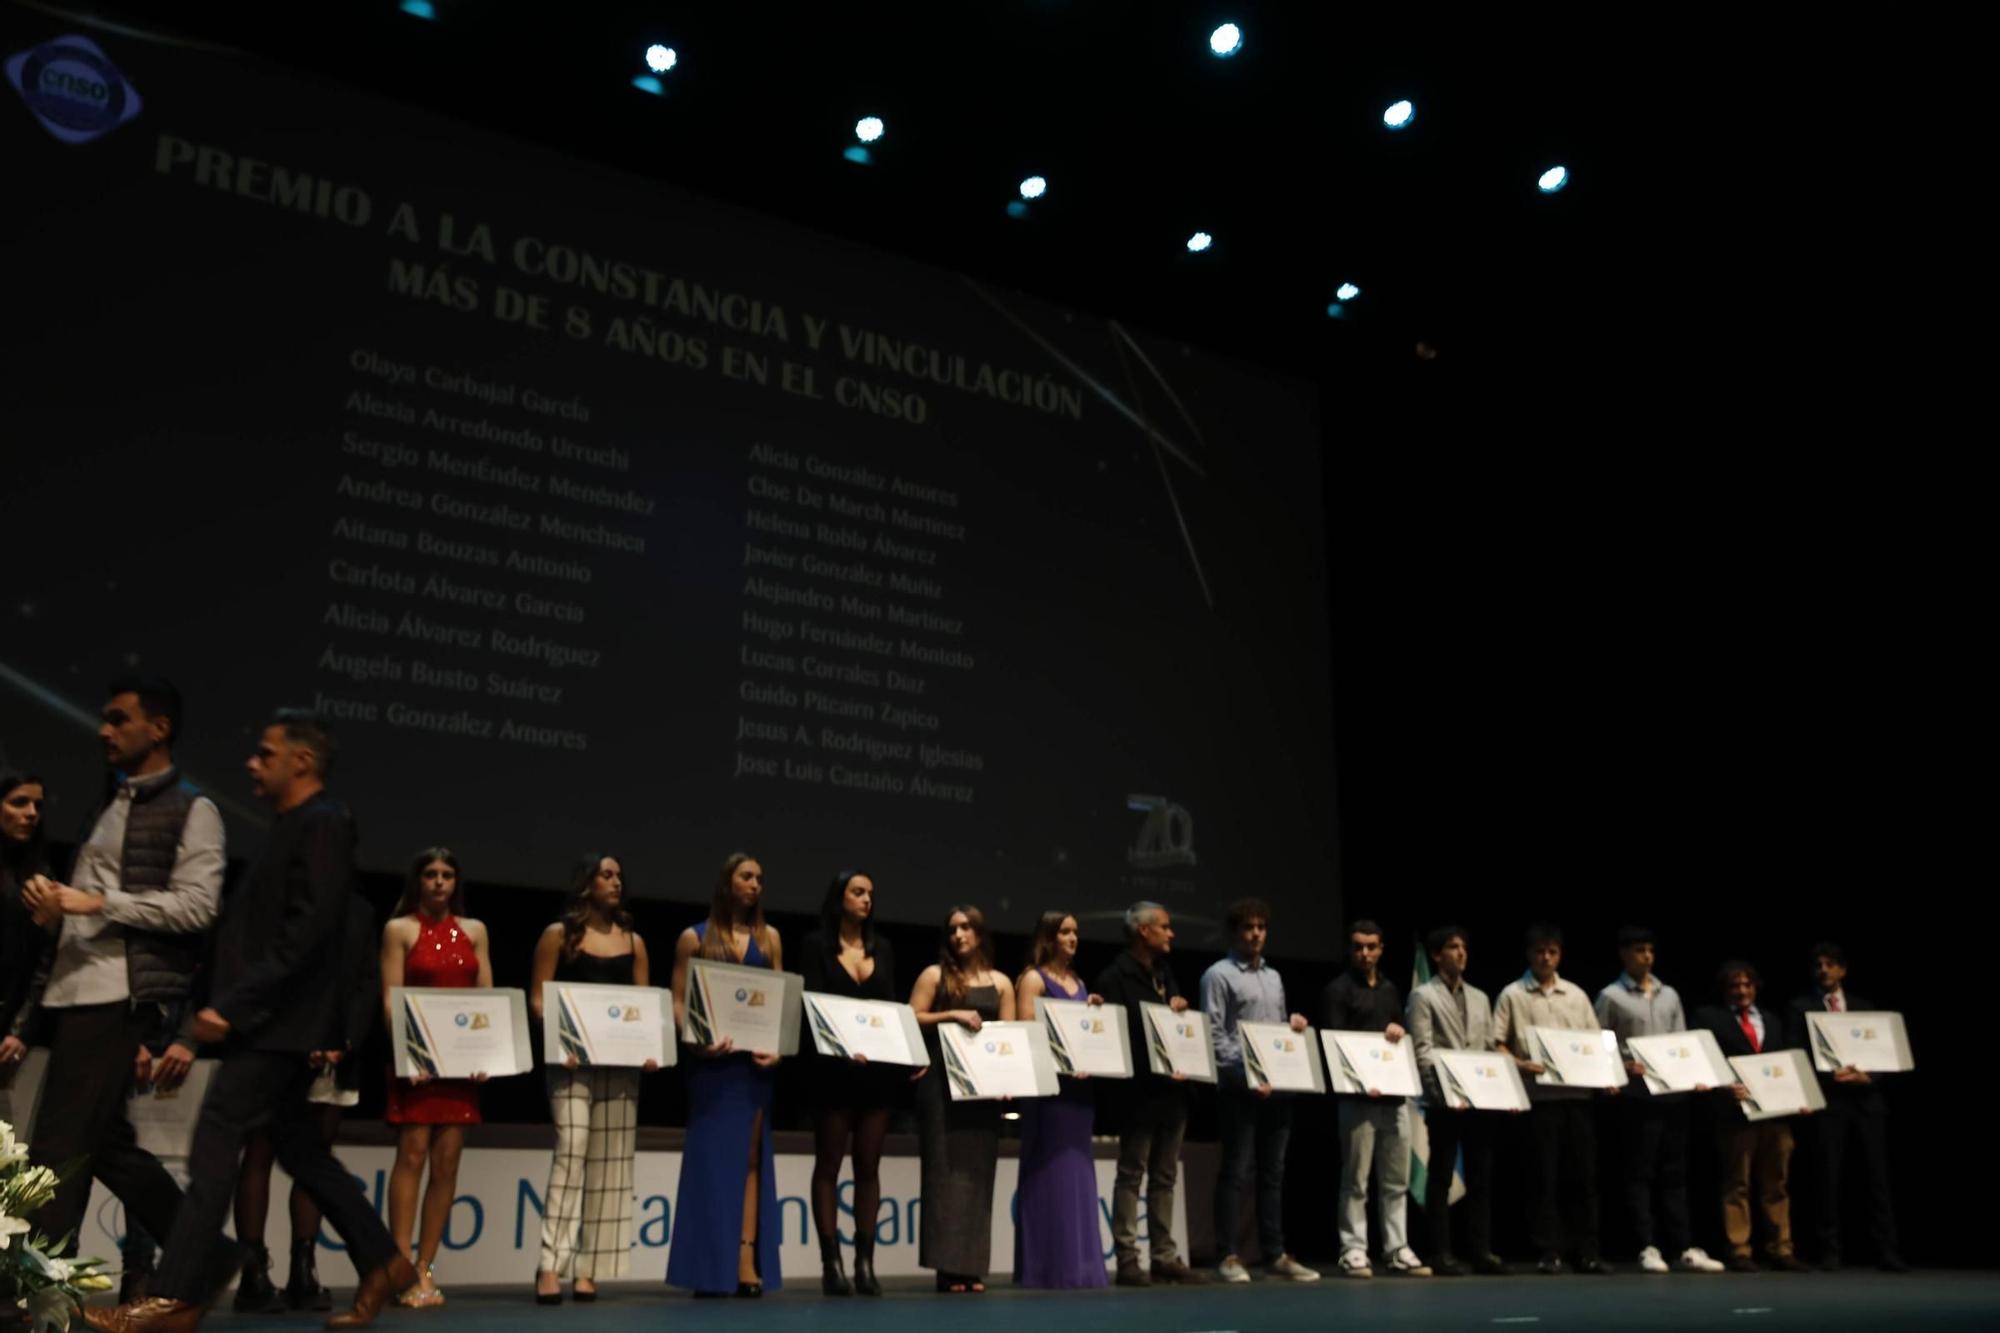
x,y
73,89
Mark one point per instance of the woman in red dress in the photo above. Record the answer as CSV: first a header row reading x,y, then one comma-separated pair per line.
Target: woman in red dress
x,y
427,943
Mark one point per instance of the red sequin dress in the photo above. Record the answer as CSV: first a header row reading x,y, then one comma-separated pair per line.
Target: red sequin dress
x,y
442,956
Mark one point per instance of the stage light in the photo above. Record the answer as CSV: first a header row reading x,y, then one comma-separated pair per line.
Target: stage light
x,y
646,83
419,9
1347,291
1199,242
660,58
1226,40
1553,179
1335,310
869,128
1399,115
1016,209
1004,1115
856,154
1034,187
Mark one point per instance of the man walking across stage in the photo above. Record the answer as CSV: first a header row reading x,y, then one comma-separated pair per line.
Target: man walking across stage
x,y
1653,1127
279,984
142,895
1155,1106
1374,1130
1256,1122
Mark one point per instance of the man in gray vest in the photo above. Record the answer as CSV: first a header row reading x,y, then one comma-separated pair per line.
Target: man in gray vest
x,y
144,891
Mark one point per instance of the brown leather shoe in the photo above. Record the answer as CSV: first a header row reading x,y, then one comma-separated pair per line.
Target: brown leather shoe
x,y
1173,1270
154,1314
399,1274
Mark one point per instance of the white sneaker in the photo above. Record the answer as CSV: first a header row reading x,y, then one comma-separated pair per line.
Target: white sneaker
x,y
1650,1260
1355,1264
1232,1270
1285,1266
1404,1263
1696,1260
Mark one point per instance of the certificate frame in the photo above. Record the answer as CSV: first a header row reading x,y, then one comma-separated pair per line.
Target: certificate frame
x,y
825,1014
569,1009
1815,1100
1829,1051
1159,1057
1607,1055
959,1044
416,1050
1345,1075
1646,1050
1055,1013
1456,1070
1256,1040
709,985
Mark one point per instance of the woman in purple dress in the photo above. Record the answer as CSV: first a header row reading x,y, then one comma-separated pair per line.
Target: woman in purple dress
x,y
1056,1241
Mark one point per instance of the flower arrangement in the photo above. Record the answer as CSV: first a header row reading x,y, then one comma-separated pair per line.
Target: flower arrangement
x,y
46,1290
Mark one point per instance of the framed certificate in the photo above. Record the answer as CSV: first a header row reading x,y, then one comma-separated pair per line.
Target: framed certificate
x,y
1000,1060
163,1118
1874,1043
1681,1061
886,1033
1087,1038
755,1007
1481,1080
458,1032
1280,1059
1178,1043
1576,1058
621,1026
1780,1083
1361,1062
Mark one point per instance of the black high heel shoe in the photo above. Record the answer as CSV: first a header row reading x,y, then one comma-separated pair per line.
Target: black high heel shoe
x,y
547,1297
753,1289
864,1276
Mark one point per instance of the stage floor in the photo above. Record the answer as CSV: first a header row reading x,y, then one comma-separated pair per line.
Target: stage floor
x,y
1819,1302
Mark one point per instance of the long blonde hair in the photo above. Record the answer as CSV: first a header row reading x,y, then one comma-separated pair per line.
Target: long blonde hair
x,y
722,917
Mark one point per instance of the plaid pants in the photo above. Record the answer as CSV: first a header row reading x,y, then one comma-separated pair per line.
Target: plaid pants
x,y
590,1181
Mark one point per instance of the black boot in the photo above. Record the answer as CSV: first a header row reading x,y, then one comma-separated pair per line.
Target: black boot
x,y
302,1288
254,1292
864,1266
832,1278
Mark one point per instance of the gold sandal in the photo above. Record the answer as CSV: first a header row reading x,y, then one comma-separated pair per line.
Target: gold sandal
x,y
416,1298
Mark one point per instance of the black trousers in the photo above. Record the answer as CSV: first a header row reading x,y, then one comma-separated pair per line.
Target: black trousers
x,y
252,1089
1562,1178
82,1115
1847,1123
1452,1133
1653,1150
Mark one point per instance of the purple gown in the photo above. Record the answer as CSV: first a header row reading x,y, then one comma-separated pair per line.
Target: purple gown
x,y
1056,1237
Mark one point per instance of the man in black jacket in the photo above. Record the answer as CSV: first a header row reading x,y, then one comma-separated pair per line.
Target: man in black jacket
x,y
279,984
1155,1107
1855,1110
1759,1149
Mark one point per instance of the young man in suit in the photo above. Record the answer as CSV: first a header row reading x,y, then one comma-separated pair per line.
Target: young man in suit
x,y
1856,1112
1449,1013
1751,1149
278,988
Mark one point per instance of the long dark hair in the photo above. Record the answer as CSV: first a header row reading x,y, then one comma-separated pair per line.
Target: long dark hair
x,y
1044,949
30,857
833,912
413,883
952,975
722,916
576,900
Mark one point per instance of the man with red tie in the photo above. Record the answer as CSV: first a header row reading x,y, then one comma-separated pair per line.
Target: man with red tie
x,y
1760,1150
1855,1110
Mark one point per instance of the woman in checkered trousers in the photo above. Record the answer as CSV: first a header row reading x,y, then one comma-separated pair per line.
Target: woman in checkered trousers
x,y
596,1110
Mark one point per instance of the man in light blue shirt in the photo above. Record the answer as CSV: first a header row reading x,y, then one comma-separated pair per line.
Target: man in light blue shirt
x,y
1256,1122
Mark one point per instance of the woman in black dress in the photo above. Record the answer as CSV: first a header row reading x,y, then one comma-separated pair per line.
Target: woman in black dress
x,y
850,1098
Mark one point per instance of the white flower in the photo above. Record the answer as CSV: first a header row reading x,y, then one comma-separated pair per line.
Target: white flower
x,y
11,1227
59,1270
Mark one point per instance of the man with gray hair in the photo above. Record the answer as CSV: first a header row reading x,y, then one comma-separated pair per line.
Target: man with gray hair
x,y
1154,1107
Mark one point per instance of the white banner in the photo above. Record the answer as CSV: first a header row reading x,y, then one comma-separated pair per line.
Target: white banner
x,y
494,1234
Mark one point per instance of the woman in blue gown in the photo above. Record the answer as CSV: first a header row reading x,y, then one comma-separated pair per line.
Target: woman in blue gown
x,y
725,1221
1056,1236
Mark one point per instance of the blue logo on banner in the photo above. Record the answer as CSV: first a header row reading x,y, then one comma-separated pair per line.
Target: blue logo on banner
x,y
72,87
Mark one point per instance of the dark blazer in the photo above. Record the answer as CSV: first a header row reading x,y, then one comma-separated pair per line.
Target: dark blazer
x,y
280,974
1129,982
1721,1020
